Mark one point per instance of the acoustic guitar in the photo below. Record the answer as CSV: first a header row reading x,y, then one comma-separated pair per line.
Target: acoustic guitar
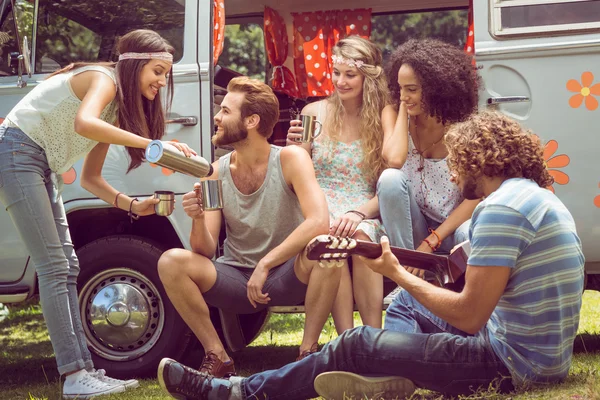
x,y
448,269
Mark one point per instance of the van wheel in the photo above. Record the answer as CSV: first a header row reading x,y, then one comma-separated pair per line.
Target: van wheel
x,y
128,320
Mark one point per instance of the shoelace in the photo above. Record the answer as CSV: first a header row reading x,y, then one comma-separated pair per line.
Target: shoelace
x,y
195,384
209,361
92,382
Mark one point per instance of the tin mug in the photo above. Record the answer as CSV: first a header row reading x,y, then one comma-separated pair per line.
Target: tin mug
x,y
166,205
212,194
311,128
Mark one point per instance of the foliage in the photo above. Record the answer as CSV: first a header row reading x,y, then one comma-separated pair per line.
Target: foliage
x,y
244,50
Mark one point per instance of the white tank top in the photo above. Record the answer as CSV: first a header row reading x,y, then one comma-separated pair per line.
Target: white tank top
x,y
47,116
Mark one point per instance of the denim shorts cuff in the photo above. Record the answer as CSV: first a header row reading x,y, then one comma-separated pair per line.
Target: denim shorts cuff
x,y
243,386
71,367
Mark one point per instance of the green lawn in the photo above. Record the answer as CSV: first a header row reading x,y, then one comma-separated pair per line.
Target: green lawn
x,y
28,370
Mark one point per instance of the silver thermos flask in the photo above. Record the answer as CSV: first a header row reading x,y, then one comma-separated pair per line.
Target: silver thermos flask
x,y
166,155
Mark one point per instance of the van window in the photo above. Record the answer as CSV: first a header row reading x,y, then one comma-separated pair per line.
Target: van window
x,y
391,30
15,24
244,49
75,30
516,17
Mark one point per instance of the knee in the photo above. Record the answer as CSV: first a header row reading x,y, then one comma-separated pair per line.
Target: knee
x,y
171,264
462,232
390,182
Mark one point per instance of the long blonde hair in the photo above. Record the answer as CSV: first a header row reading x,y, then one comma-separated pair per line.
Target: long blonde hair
x,y
375,97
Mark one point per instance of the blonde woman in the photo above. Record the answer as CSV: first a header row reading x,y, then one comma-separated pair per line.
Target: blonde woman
x,y
348,162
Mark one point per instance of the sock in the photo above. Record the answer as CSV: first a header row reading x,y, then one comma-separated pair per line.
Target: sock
x,y
236,388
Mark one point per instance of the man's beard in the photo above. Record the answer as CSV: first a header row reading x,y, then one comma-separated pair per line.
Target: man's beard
x,y
230,135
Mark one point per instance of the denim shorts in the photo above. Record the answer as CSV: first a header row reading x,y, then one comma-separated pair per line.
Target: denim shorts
x,y
229,292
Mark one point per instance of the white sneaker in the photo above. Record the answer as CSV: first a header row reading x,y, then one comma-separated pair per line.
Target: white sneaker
x,y
82,385
100,374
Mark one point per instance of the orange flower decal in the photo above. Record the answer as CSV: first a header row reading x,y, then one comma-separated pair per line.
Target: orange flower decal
x,y
69,176
585,91
559,161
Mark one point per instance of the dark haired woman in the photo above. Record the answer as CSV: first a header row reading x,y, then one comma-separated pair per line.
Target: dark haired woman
x,y
73,114
433,85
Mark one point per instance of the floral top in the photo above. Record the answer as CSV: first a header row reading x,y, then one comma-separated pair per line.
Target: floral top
x,y
338,170
436,196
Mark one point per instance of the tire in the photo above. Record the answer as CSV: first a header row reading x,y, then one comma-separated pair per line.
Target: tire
x,y
128,320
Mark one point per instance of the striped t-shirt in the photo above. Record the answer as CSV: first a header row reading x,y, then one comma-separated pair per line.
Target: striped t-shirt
x,y
528,229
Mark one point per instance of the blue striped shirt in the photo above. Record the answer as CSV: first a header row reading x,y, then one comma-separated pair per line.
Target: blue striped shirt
x,y
528,229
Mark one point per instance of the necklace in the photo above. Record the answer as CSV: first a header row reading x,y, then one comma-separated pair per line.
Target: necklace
x,y
421,152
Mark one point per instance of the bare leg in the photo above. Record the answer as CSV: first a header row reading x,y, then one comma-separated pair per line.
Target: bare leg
x,y
185,276
343,306
368,289
322,288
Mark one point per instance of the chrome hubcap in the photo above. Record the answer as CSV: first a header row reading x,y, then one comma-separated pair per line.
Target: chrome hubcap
x,y
123,314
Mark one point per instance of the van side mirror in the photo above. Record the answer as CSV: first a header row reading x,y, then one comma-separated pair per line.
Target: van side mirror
x,y
26,56
21,62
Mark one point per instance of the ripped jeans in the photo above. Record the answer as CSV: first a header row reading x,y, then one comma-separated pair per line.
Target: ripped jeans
x,y
35,206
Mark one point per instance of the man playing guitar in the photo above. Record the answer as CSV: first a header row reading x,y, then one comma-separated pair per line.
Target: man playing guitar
x,y
512,325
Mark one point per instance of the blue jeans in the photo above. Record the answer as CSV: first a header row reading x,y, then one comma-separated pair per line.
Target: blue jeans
x,y
422,348
36,208
404,223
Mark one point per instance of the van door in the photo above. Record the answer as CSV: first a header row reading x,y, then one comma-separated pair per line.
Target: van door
x,y
540,61
13,255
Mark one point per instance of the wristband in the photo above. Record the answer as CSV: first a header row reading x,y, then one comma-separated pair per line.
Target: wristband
x,y
363,216
116,202
131,214
439,243
433,248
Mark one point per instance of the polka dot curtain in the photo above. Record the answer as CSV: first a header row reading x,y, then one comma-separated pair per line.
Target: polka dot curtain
x,y
219,29
470,43
276,41
315,34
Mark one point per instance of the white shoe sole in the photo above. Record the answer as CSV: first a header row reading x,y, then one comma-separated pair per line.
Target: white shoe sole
x,y
161,381
339,385
82,396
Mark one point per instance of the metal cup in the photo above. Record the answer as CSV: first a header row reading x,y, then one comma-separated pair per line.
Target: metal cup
x,y
166,205
212,194
310,131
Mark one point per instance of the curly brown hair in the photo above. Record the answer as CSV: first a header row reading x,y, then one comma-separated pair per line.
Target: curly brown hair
x,y
448,78
490,143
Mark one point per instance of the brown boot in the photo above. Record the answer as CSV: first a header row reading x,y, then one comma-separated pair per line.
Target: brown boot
x,y
313,349
212,365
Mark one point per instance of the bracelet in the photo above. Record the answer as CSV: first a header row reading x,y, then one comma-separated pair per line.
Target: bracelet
x,y
116,202
131,214
439,243
433,248
363,216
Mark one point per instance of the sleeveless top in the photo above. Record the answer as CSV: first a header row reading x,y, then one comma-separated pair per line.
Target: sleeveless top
x,y
338,168
436,196
257,223
47,116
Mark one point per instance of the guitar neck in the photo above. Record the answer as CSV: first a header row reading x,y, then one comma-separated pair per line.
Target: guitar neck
x,y
406,257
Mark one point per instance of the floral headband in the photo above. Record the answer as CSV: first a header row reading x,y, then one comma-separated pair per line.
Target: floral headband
x,y
165,56
349,62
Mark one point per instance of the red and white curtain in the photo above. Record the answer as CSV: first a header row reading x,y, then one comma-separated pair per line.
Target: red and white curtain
x,y
315,34
470,42
218,29
276,41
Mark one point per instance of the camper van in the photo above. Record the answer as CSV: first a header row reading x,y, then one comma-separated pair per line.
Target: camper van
x,y
539,60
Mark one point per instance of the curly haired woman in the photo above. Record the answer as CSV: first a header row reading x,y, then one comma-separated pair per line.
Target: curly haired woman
x,y
433,85
347,160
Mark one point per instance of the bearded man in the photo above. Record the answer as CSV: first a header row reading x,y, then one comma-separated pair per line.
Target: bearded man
x,y
273,206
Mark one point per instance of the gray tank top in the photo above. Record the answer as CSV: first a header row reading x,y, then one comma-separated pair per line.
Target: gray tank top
x,y
257,223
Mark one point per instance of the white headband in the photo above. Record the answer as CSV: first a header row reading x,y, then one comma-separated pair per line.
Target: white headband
x,y
165,56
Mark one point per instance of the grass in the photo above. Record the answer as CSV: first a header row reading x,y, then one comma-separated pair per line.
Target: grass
x,y
28,370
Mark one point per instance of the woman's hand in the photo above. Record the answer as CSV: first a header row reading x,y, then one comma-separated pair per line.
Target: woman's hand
x,y
294,133
184,148
144,207
345,225
192,202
